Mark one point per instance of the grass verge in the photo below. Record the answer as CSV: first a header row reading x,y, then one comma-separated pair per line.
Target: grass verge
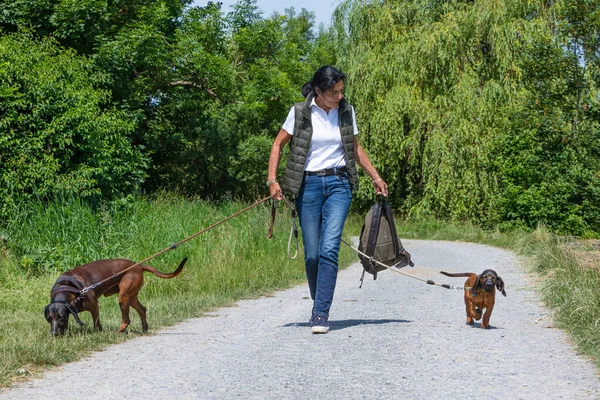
x,y
231,262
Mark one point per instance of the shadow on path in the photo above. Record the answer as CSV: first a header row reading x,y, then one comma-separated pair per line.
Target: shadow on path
x,y
478,325
348,323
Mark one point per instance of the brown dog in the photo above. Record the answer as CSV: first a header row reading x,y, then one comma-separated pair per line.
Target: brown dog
x,y
65,298
480,294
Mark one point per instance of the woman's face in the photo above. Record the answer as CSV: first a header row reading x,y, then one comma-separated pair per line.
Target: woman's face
x,y
330,98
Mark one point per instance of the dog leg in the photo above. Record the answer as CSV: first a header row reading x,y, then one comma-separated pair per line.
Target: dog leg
x,y
124,305
473,312
95,311
485,324
129,287
468,307
141,310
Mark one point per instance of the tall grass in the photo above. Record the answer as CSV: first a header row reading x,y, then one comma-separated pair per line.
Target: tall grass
x,y
572,290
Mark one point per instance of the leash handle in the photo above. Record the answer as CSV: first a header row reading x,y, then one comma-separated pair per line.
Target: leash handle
x,y
293,229
294,233
272,223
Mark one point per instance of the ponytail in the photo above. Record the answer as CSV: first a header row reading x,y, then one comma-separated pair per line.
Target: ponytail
x,y
307,89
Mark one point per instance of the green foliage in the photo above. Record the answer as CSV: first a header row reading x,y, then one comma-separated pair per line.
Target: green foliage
x,y
549,155
84,25
570,288
179,93
480,111
57,133
247,167
473,111
234,80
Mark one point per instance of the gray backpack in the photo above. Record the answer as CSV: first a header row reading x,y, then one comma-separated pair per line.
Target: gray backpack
x,y
379,241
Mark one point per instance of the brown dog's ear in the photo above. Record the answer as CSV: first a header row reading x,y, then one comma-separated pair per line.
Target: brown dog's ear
x,y
476,286
500,286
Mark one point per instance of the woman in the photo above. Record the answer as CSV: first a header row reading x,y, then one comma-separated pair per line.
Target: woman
x,y
321,173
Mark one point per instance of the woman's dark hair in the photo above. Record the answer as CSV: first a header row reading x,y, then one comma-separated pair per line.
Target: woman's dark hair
x,y
324,79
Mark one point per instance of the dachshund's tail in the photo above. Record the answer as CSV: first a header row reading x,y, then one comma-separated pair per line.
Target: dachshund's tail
x,y
162,274
458,275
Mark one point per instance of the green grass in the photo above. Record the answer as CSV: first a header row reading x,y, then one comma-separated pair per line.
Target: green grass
x,y
231,262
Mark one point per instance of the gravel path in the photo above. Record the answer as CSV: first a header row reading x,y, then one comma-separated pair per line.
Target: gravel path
x,y
396,338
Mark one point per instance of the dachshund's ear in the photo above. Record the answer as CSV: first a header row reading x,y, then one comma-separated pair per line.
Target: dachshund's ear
x,y
74,312
500,286
476,286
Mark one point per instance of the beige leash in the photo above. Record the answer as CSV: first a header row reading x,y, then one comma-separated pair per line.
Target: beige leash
x,y
396,270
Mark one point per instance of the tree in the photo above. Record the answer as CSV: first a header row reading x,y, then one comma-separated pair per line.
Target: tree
x,y
232,82
199,93
57,132
84,25
463,119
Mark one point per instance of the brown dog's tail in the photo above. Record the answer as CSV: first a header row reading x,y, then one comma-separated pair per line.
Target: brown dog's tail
x,y
458,275
162,274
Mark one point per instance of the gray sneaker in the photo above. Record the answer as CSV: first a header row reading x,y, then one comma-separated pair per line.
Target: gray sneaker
x,y
319,324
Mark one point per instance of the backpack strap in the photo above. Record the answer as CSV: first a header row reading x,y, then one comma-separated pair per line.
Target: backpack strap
x,y
397,245
362,278
373,233
388,215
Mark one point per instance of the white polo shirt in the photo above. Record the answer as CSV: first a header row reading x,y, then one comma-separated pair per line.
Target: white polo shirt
x,y
326,149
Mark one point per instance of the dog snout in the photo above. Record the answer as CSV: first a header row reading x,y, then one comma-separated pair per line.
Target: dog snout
x,y
488,286
56,332
57,329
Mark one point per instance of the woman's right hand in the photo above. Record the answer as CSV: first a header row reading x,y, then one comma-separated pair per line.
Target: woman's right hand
x,y
275,191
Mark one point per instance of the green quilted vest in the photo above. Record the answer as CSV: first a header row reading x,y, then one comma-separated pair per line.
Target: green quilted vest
x,y
294,171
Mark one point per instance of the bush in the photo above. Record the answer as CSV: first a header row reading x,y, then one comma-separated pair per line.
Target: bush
x,y
56,133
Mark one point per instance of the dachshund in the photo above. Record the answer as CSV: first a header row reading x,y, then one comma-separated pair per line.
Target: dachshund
x,y
480,294
102,277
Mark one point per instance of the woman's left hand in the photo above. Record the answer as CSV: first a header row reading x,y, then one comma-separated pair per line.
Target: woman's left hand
x,y
380,186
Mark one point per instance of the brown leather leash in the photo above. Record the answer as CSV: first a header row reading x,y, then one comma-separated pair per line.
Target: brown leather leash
x,y
84,291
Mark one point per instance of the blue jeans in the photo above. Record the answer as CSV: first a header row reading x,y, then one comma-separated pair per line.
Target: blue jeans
x,y
322,204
